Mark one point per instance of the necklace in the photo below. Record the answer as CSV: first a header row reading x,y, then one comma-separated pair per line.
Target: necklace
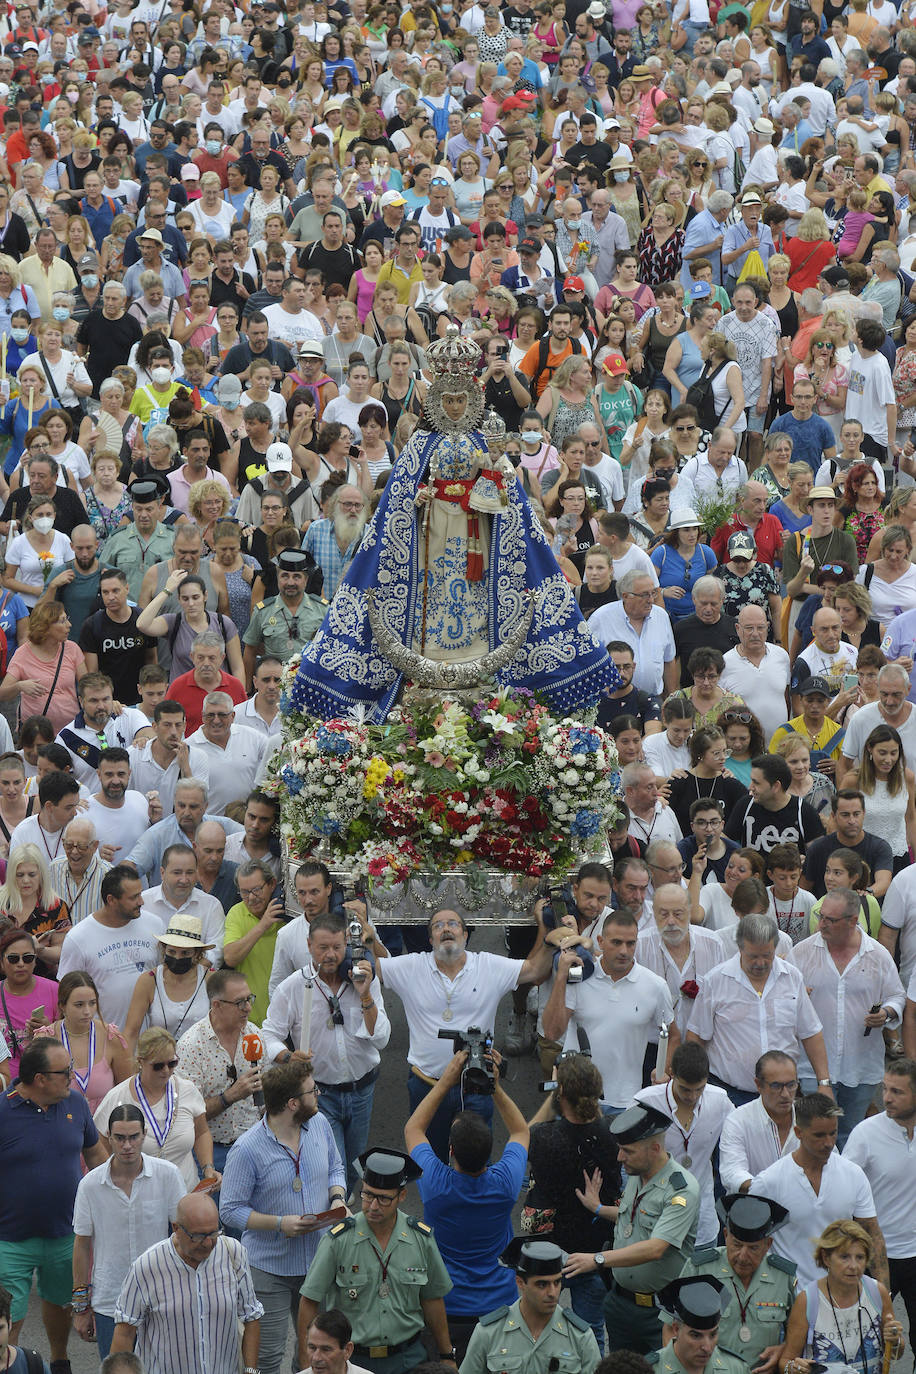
x,y
449,991
861,1350
60,836
744,1331
686,1158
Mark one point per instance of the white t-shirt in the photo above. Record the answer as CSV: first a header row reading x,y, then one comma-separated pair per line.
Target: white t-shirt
x,y
844,1193
662,756
637,558
634,1005
21,555
113,958
862,724
870,392
763,687
763,169
296,327
121,826
792,198
214,223
610,475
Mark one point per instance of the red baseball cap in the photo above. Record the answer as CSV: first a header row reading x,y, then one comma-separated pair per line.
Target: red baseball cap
x,y
573,284
615,365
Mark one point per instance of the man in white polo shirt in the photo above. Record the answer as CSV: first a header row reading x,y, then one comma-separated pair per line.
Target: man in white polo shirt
x,y
817,1186
758,672
883,1147
762,1131
636,621
452,989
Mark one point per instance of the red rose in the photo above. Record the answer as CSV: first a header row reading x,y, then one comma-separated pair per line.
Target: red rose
x,y
689,989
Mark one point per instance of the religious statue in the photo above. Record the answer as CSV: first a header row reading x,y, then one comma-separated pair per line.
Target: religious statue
x,y
454,580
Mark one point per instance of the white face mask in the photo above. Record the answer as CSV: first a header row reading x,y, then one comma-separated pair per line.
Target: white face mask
x,y
532,436
43,523
161,375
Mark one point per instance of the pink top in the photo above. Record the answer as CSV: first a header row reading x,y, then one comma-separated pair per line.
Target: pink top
x,y
853,225
63,705
101,1077
365,291
14,1016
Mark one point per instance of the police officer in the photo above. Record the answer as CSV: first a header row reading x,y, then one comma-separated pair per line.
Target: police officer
x,y
284,624
654,1232
535,1333
763,1283
697,1304
383,1270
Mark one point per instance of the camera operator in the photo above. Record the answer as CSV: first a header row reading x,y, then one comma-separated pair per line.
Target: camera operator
x,y
469,1201
348,1027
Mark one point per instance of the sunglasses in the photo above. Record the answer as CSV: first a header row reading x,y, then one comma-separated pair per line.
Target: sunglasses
x,y
833,568
823,343
160,1064
736,717
21,958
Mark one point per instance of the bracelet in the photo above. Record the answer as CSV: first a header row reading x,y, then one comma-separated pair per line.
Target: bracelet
x,y
280,1225
598,1210
366,1005
83,1305
224,1100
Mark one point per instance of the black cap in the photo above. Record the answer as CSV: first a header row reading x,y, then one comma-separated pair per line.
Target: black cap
x,y
698,1301
528,1257
835,276
749,1217
387,1168
815,686
638,1123
145,492
295,560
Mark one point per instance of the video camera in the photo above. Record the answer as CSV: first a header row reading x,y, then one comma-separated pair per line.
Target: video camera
x,y
478,1075
356,950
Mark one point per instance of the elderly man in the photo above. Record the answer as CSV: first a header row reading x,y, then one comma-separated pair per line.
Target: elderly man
x,y
215,873
282,625
189,1301
705,236
609,231
754,1002
892,708
637,621
756,671
855,989
649,819
180,828
177,893
708,627
46,273
333,541
77,873
827,656
207,675
745,237
233,752
763,1130
43,471
152,259
717,471
756,339
752,515
677,951
105,337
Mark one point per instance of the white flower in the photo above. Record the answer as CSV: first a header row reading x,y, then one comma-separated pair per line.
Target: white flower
x,y
578,760
571,777
497,722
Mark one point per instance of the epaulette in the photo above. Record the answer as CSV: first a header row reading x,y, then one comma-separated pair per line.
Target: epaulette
x,y
260,607
705,1254
419,1225
575,1320
786,1265
343,1226
677,1179
654,1356
496,1316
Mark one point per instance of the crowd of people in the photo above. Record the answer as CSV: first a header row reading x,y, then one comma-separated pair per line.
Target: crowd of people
x,y
682,236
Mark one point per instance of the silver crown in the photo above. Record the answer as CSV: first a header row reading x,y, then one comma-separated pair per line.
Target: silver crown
x,y
453,356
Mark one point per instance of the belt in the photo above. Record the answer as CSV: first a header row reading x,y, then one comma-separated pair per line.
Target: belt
x,y
381,1352
350,1086
639,1299
423,1076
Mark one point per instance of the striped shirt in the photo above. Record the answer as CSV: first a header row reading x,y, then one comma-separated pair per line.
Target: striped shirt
x,y
84,896
187,1320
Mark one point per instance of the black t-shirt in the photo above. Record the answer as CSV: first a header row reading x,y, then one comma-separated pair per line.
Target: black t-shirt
x,y
597,153
727,792
691,633
715,868
226,292
109,342
635,703
241,356
70,509
498,396
875,851
338,265
120,648
752,826
518,22
250,167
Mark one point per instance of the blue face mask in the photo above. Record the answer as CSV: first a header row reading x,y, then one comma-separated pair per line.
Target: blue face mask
x,y
61,313
19,335
90,281
213,146
621,176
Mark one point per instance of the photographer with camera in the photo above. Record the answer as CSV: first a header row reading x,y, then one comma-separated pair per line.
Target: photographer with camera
x,y
504,389
348,1027
446,989
469,1201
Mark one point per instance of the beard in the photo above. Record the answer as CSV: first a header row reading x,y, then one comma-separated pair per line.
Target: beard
x,y
349,527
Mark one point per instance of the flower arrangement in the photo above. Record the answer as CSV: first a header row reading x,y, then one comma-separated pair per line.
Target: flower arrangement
x,y
442,784
47,562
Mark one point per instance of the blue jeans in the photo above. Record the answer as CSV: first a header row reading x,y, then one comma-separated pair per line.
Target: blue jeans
x,y
104,1333
693,32
854,1101
349,1115
438,1129
279,1294
587,1293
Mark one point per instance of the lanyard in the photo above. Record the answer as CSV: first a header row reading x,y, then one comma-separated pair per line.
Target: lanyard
x,y
297,1181
60,836
160,1132
81,1078
72,901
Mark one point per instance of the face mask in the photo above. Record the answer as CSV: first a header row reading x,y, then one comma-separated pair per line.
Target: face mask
x,y
90,281
621,176
43,524
213,146
48,79
61,313
73,96
161,375
572,224
79,76
532,436
177,965
19,335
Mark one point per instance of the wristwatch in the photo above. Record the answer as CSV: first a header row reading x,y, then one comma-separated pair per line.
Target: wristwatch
x,y
599,1259
448,1354
823,1082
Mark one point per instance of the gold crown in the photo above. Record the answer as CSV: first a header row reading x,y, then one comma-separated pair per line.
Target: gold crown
x,y
453,356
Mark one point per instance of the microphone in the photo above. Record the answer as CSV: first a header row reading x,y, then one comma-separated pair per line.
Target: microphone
x,y
253,1051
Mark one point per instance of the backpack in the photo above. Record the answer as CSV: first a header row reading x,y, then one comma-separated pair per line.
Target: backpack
x,y
700,396
176,628
543,350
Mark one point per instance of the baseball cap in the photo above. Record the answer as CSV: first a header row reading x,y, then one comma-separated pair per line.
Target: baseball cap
x,y
30,47
814,686
391,198
742,544
835,276
279,458
529,246
699,290
88,263
229,390
573,284
190,172
615,365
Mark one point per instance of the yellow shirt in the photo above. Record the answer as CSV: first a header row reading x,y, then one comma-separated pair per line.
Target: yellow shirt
x,y
58,277
819,741
259,960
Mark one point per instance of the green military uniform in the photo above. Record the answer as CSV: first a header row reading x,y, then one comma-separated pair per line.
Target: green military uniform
x,y
272,621
722,1362
126,550
763,1307
380,1296
664,1208
503,1342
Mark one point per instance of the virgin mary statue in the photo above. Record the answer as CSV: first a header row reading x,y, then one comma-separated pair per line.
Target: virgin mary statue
x,y
454,569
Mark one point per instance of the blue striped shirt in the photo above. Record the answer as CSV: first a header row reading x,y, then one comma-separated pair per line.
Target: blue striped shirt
x,y
187,1320
259,1177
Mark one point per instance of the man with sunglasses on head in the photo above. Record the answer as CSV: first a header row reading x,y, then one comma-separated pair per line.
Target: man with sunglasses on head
x,y
115,943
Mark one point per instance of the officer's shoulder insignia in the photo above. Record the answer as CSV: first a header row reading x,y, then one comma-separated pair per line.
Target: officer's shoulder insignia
x,y
705,1254
678,1201
419,1225
677,1179
786,1265
259,606
654,1356
496,1316
575,1320
342,1226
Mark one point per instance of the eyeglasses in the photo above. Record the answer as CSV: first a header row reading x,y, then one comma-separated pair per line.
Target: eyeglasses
x,y
736,717
198,1237
160,1064
238,1003
310,1092
790,1086
378,1198
68,1072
